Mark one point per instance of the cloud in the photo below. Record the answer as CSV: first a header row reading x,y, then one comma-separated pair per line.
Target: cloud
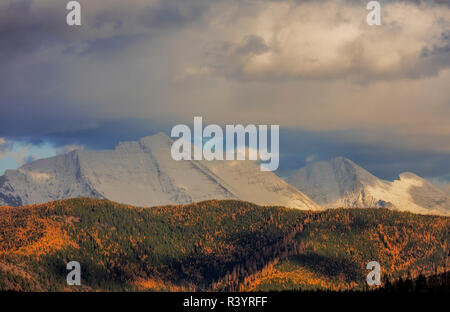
x,y
385,161
331,40
18,154
15,153
135,68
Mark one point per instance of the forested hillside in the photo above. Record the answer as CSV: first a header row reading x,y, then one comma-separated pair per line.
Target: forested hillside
x,y
213,245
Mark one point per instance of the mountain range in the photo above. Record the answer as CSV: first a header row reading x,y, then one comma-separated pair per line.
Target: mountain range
x,y
143,173
342,183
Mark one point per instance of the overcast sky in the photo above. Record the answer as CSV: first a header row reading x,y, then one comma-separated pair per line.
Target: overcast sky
x,y
336,86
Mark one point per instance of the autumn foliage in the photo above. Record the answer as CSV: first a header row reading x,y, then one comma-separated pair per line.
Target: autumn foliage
x,y
213,246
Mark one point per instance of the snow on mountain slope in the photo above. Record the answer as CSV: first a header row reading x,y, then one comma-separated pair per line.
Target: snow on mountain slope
x,y
342,183
246,181
45,180
143,173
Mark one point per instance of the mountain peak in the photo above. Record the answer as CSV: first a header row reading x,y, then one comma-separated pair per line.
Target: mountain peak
x,y
342,183
143,173
347,163
327,183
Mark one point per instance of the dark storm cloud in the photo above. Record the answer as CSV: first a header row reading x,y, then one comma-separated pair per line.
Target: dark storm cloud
x,y
21,31
386,162
34,118
101,135
24,30
107,134
34,100
109,45
173,13
86,85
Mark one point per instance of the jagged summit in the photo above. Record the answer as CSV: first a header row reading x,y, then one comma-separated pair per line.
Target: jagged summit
x,y
329,182
342,183
143,173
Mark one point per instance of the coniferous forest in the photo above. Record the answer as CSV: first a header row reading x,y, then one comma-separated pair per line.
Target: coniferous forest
x,y
219,246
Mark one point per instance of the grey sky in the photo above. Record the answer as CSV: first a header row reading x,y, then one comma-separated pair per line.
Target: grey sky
x,y
314,67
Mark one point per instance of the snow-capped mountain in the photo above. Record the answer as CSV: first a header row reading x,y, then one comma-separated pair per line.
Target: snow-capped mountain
x,y
342,183
143,173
